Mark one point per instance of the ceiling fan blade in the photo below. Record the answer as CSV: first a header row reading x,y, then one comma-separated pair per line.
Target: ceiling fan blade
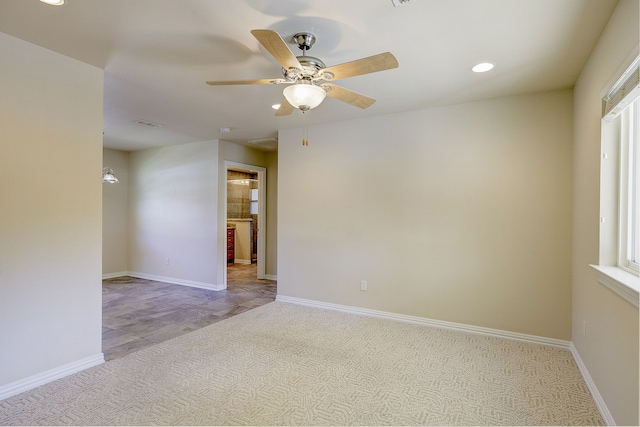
x,y
371,64
285,108
277,47
244,82
349,96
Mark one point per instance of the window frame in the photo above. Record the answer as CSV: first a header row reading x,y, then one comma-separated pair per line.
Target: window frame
x,y
628,188
613,269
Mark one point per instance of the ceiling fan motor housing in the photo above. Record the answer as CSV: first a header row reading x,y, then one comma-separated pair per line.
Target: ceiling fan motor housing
x,y
304,40
310,69
310,64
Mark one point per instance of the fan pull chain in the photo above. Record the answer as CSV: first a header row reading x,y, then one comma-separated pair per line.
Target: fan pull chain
x,y
305,128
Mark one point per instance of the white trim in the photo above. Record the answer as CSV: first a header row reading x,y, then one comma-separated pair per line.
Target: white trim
x,y
271,277
114,275
42,378
619,281
429,322
591,385
242,261
628,122
175,281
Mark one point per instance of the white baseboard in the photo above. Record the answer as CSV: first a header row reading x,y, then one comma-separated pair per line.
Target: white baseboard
x,y
42,378
175,281
602,407
270,277
429,322
242,261
113,275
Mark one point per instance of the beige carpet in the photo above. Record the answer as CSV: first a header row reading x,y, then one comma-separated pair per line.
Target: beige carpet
x,y
282,364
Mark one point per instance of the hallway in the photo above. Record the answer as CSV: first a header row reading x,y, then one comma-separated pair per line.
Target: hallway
x,y
137,313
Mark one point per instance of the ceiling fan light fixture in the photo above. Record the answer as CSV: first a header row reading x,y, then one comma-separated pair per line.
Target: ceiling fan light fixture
x,y
304,96
53,2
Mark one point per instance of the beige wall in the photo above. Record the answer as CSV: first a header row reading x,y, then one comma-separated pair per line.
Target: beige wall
x,y
610,348
115,223
272,215
51,210
460,213
173,213
240,154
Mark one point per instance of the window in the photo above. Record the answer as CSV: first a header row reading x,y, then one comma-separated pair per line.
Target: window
x,y
629,214
619,211
620,108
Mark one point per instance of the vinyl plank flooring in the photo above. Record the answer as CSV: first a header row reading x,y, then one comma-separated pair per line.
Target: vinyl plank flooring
x,y
137,313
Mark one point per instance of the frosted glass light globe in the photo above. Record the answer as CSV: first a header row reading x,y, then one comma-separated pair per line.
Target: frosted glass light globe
x,y
304,96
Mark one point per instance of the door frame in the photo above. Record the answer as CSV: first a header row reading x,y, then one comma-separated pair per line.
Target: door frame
x,y
262,217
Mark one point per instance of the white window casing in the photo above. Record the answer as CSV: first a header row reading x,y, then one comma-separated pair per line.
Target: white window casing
x,y
619,213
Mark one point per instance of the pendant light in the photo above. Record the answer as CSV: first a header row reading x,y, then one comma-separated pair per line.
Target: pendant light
x,y
108,176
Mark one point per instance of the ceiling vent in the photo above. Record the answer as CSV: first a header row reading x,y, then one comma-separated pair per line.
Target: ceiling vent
x,y
147,123
269,143
398,3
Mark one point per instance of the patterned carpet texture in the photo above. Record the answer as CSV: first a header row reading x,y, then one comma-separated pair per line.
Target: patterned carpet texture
x,y
283,364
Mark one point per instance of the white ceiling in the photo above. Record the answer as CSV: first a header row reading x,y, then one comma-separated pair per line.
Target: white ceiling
x,y
157,55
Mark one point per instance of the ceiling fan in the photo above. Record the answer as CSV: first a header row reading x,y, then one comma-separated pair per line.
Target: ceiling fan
x,y
308,77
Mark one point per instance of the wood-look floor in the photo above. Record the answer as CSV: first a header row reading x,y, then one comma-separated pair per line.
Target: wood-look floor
x,y
137,313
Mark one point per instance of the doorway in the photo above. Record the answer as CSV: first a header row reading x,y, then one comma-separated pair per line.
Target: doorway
x,y
245,217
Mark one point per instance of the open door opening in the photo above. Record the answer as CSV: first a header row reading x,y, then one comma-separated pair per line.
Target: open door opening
x,y
245,220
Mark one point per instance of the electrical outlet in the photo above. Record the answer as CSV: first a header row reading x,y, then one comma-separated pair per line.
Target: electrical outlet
x,y
166,261
363,285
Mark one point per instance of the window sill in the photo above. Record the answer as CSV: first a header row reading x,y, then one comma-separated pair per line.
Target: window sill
x,y
619,281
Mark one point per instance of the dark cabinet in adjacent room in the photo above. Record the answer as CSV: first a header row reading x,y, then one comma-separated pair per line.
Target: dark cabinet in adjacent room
x,y
231,237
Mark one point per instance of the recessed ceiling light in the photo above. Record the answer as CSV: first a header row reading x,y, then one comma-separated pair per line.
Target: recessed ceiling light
x,y
275,106
53,2
225,130
482,67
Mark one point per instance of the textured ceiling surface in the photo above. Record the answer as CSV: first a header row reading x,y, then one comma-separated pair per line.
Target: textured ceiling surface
x,y
157,55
